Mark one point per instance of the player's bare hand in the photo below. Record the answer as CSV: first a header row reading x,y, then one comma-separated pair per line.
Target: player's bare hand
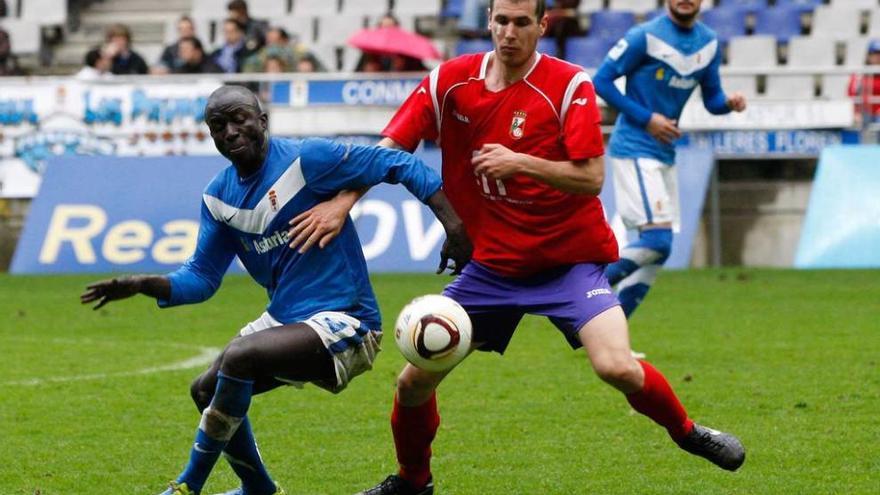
x,y
496,161
318,225
663,129
457,248
110,290
736,102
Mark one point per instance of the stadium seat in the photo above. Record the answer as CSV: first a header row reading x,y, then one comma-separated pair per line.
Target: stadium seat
x,y
588,52
747,85
835,22
314,8
417,7
327,55
268,9
611,25
473,46
637,6
364,7
727,22
209,9
757,51
349,59
336,29
24,35
782,21
654,14
548,46
874,25
44,12
856,4
803,5
803,52
301,27
835,86
748,6
856,52
452,9
590,6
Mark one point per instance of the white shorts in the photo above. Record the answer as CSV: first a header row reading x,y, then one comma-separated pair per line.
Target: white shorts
x,y
645,191
352,346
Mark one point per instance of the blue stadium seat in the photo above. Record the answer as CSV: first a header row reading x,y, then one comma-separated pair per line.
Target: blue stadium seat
x,y
452,9
611,25
587,51
748,6
781,21
727,22
655,13
472,46
548,46
802,5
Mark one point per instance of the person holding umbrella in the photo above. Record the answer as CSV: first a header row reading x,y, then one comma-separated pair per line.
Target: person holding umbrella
x,y
389,48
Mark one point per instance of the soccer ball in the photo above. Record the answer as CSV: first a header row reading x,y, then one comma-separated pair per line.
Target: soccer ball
x,y
433,332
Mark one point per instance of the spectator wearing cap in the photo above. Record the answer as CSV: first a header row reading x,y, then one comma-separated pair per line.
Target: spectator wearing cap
x,y
193,58
170,58
254,29
118,45
231,56
8,62
864,89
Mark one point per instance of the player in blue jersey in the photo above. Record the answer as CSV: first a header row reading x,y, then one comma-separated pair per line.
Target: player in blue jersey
x,y
322,322
663,61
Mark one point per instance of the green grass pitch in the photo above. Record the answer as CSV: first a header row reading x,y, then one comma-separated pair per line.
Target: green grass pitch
x,y
97,403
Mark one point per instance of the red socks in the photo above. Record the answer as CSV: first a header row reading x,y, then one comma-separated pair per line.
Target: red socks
x,y
414,429
657,401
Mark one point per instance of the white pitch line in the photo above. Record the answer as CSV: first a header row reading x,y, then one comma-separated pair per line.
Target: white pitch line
x,y
207,356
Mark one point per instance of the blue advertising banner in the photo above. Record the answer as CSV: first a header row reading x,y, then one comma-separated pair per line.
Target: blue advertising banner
x,y
763,142
354,92
103,214
842,225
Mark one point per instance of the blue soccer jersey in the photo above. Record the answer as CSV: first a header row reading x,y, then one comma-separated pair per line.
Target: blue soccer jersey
x,y
663,63
249,218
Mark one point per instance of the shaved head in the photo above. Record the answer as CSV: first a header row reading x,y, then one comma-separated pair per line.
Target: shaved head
x,y
239,127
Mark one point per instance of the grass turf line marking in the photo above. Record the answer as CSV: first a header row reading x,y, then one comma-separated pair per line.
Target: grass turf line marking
x,y
206,356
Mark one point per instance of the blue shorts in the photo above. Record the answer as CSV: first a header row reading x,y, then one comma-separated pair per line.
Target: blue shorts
x,y
569,296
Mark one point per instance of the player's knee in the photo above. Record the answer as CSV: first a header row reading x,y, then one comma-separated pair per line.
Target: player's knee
x,y
658,241
201,395
619,370
239,358
413,383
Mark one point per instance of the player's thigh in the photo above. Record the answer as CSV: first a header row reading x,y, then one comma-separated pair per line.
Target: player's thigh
x,y
640,191
293,352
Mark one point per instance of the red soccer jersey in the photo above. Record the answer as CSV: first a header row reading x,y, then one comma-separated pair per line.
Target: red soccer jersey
x,y
519,226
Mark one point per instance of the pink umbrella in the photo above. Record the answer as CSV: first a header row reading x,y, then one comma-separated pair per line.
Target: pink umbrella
x,y
394,41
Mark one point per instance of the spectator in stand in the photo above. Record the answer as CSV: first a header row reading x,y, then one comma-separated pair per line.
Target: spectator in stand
x,y
193,58
125,60
98,65
234,51
864,89
309,63
170,59
276,65
563,23
255,30
372,62
8,62
278,45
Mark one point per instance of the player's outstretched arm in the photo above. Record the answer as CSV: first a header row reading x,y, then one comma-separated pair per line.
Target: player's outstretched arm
x,y
323,222
457,247
114,289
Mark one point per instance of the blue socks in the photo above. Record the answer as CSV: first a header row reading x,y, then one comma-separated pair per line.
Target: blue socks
x,y
245,460
220,420
637,268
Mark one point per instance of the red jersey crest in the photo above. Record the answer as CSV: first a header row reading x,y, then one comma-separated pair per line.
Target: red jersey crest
x,y
517,126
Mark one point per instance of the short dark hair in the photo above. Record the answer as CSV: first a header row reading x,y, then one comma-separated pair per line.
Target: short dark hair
x,y
540,7
196,43
92,57
237,5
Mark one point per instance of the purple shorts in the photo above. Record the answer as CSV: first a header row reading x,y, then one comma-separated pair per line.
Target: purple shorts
x,y
569,296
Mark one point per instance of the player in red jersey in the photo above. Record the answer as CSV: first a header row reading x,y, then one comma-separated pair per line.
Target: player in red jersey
x,y
522,165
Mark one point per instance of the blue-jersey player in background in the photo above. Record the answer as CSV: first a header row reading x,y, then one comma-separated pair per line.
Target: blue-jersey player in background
x,y
663,61
322,322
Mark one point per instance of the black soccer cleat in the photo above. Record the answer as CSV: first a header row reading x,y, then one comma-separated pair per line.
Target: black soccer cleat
x,y
395,485
722,449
